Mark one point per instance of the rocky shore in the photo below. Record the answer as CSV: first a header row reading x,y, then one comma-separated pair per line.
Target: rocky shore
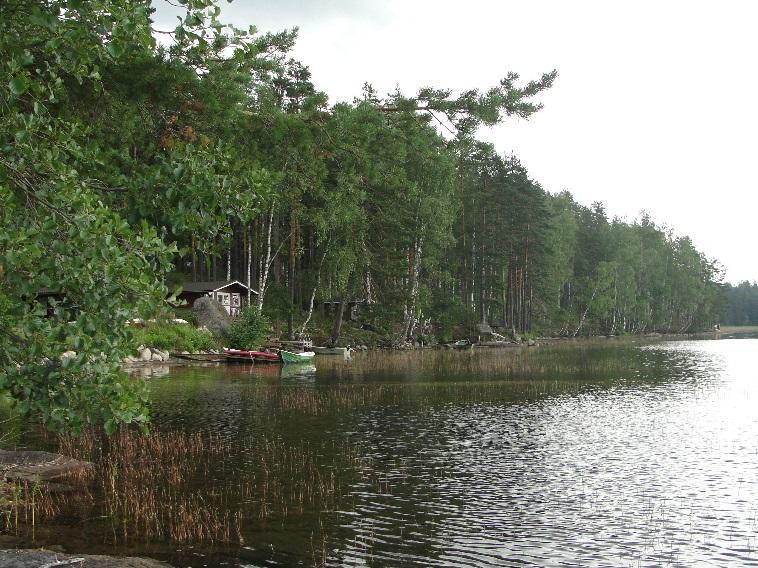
x,y
42,558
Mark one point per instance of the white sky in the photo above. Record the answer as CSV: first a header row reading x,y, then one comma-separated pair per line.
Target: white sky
x,y
655,107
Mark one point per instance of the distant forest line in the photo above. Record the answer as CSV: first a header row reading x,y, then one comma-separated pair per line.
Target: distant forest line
x,y
740,304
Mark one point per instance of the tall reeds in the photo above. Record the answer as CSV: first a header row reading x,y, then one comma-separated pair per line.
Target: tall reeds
x,y
183,488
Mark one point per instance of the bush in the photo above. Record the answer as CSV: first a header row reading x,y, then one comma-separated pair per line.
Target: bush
x,y
248,330
186,314
169,336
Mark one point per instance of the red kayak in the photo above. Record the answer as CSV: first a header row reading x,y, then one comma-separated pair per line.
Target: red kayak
x,y
251,356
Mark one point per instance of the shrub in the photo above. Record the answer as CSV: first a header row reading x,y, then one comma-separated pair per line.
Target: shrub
x,y
186,314
169,336
248,330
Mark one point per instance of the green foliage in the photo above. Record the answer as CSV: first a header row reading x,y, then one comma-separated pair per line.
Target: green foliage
x,y
173,337
248,330
453,320
55,230
740,304
186,314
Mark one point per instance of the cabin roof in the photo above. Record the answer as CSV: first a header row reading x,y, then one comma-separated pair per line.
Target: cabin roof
x,y
213,286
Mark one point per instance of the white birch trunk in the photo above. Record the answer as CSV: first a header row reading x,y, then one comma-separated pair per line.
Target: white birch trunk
x,y
584,315
410,307
249,264
310,308
265,263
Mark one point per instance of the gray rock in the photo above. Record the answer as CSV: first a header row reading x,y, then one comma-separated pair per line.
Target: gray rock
x,y
39,558
145,354
159,355
39,466
484,328
212,315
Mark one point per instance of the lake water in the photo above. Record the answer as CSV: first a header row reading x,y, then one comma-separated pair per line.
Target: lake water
x,y
587,454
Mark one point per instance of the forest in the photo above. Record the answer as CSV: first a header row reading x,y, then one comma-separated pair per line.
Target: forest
x,y
740,304
134,158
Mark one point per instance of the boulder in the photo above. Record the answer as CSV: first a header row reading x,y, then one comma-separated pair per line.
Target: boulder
x,y
159,355
212,315
39,466
40,557
145,354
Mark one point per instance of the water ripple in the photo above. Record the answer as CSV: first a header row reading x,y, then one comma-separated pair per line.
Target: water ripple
x,y
617,455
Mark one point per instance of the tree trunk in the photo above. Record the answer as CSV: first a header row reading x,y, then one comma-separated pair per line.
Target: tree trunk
x,y
249,243
584,315
505,297
410,307
265,263
291,278
337,327
310,307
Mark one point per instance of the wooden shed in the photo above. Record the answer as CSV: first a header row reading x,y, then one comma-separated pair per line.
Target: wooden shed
x,y
232,294
44,297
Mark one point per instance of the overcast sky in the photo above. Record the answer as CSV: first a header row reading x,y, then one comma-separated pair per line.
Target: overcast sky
x,y
655,107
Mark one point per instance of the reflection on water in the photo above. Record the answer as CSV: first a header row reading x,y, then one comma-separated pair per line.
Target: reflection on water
x,y
606,455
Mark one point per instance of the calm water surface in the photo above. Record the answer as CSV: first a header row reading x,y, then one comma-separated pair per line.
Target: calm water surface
x,y
584,455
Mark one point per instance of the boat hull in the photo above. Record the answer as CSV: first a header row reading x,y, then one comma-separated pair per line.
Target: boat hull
x,y
343,351
288,357
242,356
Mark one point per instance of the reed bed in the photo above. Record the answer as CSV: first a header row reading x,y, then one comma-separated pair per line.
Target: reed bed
x,y
324,400
183,488
567,359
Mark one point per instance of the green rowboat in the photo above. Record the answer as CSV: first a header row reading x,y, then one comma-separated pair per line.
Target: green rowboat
x,y
290,357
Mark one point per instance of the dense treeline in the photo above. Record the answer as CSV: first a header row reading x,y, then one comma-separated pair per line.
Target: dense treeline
x,y
216,157
741,304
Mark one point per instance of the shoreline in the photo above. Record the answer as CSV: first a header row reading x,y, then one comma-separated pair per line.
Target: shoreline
x,y
43,557
215,359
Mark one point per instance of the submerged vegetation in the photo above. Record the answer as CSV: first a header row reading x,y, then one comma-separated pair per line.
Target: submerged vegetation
x,y
215,155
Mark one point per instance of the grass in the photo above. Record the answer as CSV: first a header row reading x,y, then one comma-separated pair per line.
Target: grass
x,y
173,337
